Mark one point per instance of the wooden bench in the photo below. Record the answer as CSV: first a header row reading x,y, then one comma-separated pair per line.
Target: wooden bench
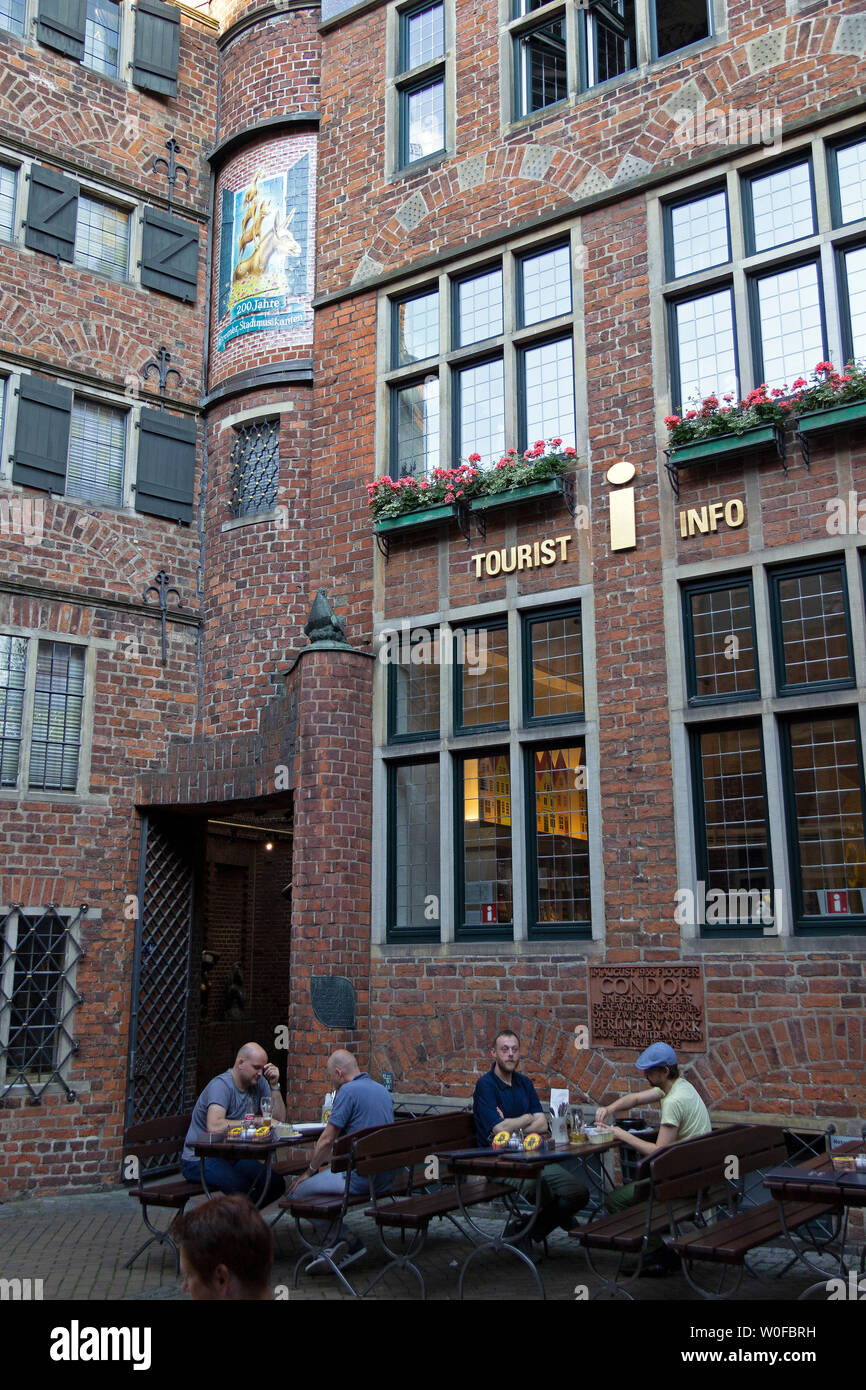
x,y
407,1148
159,1139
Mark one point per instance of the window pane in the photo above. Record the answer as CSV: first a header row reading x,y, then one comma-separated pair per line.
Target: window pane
x,y
415,866
851,169
8,179
97,444
57,711
828,815
479,308
699,234
546,281
542,67
782,207
12,15
814,630
792,336
425,36
414,673
13,671
610,40
416,329
706,355
723,642
486,810
561,837
101,33
255,466
481,392
484,680
426,118
679,23
557,667
731,793
39,957
855,279
102,237
416,429
548,387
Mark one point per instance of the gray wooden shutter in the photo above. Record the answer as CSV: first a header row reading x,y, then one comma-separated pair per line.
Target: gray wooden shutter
x,y
52,211
157,47
169,255
42,434
60,25
166,465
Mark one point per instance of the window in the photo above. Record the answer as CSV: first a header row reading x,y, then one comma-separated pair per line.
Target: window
x,y
102,36
255,467
41,689
449,693
102,237
97,451
90,32
679,23
8,185
540,66
822,817
765,313
12,15
421,83
454,344
38,954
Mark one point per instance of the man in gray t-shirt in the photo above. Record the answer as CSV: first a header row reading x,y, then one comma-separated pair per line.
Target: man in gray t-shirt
x,y
224,1100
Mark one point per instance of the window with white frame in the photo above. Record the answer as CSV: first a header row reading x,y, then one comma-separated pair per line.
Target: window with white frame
x,y
12,15
97,452
102,36
102,237
42,690
454,342
8,189
759,271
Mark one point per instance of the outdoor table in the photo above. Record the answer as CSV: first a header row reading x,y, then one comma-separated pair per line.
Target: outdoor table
x,y
524,1165
246,1148
817,1181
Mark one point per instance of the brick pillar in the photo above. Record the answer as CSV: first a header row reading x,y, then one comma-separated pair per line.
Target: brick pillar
x,y
331,864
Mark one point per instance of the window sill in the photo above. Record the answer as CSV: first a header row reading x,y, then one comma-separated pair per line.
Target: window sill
x,y
10,796
420,166
254,519
774,945
575,946
522,123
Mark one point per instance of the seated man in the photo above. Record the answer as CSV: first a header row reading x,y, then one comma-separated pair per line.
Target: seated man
x,y
506,1100
224,1101
226,1251
684,1116
360,1103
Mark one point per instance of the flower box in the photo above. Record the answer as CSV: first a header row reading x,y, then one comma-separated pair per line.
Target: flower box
x,y
723,446
424,516
516,494
831,417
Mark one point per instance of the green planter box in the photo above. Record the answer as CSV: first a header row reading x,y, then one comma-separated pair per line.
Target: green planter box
x,y
705,450
516,494
832,417
413,521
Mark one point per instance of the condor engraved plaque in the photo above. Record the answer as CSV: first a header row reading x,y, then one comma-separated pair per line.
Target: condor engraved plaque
x,y
631,1006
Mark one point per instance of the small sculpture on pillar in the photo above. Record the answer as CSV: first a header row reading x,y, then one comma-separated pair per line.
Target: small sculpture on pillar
x,y
323,627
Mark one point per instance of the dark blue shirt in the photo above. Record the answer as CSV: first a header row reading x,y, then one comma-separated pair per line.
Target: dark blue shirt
x,y
520,1098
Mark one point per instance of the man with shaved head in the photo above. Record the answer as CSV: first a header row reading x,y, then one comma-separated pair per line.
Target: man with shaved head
x,y
361,1103
224,1101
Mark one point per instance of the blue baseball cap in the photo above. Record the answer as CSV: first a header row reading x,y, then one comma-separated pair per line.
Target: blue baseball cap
x,y
658,1055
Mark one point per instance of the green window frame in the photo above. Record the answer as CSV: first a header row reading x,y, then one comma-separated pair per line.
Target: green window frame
x,y
707,874
502,928
672,206
756,326
408,639
420,928
460,727
709,586
764,171
717,387
776,577
560,811
834,149
529,619
849,347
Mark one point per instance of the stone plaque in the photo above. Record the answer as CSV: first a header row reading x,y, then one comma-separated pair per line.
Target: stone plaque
x,y
333,1000
631,1006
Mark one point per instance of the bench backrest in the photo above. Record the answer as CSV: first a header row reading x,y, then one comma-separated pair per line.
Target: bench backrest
x,y
405,1145
696,1165
158,1138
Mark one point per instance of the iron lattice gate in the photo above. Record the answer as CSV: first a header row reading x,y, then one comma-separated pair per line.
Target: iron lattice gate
x,y
158,1082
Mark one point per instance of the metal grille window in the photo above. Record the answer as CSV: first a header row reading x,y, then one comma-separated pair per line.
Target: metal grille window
x,y
39,952
58,705
102,237
8,184
97,453
13,674
12,15
102,36
413,878
255,467
720,642
558,840
553,666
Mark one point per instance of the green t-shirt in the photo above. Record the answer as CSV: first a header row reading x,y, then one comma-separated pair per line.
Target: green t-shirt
x,y
683,1107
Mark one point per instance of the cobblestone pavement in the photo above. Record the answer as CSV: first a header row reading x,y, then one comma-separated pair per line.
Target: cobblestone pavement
x,y
78,1246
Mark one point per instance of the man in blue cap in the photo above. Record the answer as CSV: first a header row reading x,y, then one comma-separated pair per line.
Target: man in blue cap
x,y
684,1116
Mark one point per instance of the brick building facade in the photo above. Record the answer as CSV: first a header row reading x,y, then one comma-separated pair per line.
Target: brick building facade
x,y
404,233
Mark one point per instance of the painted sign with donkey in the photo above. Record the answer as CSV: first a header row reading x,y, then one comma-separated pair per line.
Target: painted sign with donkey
x,y
266,249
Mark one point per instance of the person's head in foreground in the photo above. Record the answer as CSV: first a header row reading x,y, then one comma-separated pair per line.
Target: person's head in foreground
x,y
226,1250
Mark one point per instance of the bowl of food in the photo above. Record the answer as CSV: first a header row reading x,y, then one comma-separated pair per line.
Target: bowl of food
x,y
599,1134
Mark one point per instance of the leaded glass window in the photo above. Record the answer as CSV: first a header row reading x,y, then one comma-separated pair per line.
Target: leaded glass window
x,y
545,285
542,72
826,815
415,329
734,844
813,645
559,840
706,354
721,639
554,673
486,901
414,851
415,428
699,235
548,392
12,15
482,683
479,308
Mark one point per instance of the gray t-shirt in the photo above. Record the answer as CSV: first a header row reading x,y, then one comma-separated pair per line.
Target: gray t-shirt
x,y
223,1091
360,1104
